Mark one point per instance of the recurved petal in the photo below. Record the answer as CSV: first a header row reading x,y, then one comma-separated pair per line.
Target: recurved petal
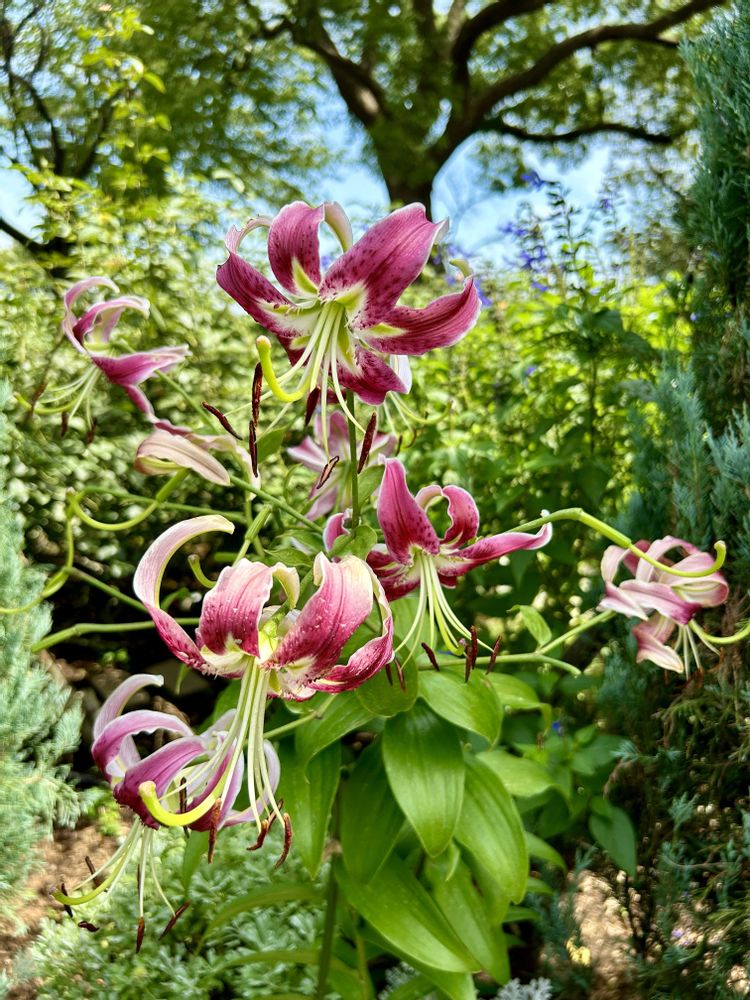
x,y
121,695
310,454
334,527
330,617
442,323
367,660
293,247
369,376
371,276
403,522
487,549
617,600
106,746
463,515
233,608
129,370
662,598
338,435
104,316
651,637
163,452
162,767
258,297
613,556
657,550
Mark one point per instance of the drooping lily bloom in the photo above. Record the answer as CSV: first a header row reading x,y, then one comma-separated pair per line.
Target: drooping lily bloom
x,y
276,652
90,334
168,449
415,556
345,324
185,772
336,492
663,601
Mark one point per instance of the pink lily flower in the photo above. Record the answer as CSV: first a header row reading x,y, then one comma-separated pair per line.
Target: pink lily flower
x,y
276,652
664,602
415,556
336,491
90,335
345,324
187,771
168,449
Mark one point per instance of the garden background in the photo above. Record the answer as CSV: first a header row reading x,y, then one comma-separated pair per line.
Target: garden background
x,y
608,371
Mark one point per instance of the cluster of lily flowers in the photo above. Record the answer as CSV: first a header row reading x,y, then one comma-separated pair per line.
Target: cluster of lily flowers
x,y
344,331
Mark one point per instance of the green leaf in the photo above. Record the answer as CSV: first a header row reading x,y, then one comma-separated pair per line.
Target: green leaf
x,y
425,768
195,848
386,698
345,714
515,695
308,796
473,705
156,81
358,543
465,910
270,443
541,850
402,912
521,776
370,480
490,828
365,846
611,827
273,895
598,754
535,624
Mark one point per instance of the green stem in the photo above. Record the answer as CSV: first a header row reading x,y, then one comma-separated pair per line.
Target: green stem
x,y
189,400
79,574
290,726
720,640
274,501
166,504
84,628
329,928
571,633
513,658
353,461
580,515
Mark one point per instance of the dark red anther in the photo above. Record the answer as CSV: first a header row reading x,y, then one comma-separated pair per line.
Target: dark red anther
x,y
367,443
139,934
472,648
90,865
265,826
63,423
312,401
400,675
91,928
223,420
213,830
326,473
91,432
287,841
399,442
388,674
183,796
174,918
257,390
493,655
67,909
37,393
252,447
431,656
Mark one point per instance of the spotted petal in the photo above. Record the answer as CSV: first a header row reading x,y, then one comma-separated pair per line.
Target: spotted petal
x,y
440,324
450,567
129,370
370,277
232,609
369,376
294,249
402,520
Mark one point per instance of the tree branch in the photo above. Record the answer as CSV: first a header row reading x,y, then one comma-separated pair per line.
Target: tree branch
x,y
30,244
634,131
487,18
649,32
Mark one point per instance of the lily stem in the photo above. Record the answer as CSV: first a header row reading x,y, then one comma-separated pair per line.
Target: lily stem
x,y
353,461
329,928
84,628
289,726
274,501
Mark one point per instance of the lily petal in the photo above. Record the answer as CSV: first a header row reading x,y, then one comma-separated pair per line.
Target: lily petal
x,y
114,705
274,773
369,376
402,520
294,249
463,515
129,370
440,324
233,607
616,600
450,567
662,598
106,746
163,452
162,767
329,618
372,275
651,637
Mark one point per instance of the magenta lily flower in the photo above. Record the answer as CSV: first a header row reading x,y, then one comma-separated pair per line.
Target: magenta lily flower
x,y
90,334
663,601
168,449
345,324
276,652
187,771
416,557
336,491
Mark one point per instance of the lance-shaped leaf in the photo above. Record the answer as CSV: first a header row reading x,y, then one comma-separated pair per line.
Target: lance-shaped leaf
x,y
345,715
366,846
308,798
473,705
425,767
